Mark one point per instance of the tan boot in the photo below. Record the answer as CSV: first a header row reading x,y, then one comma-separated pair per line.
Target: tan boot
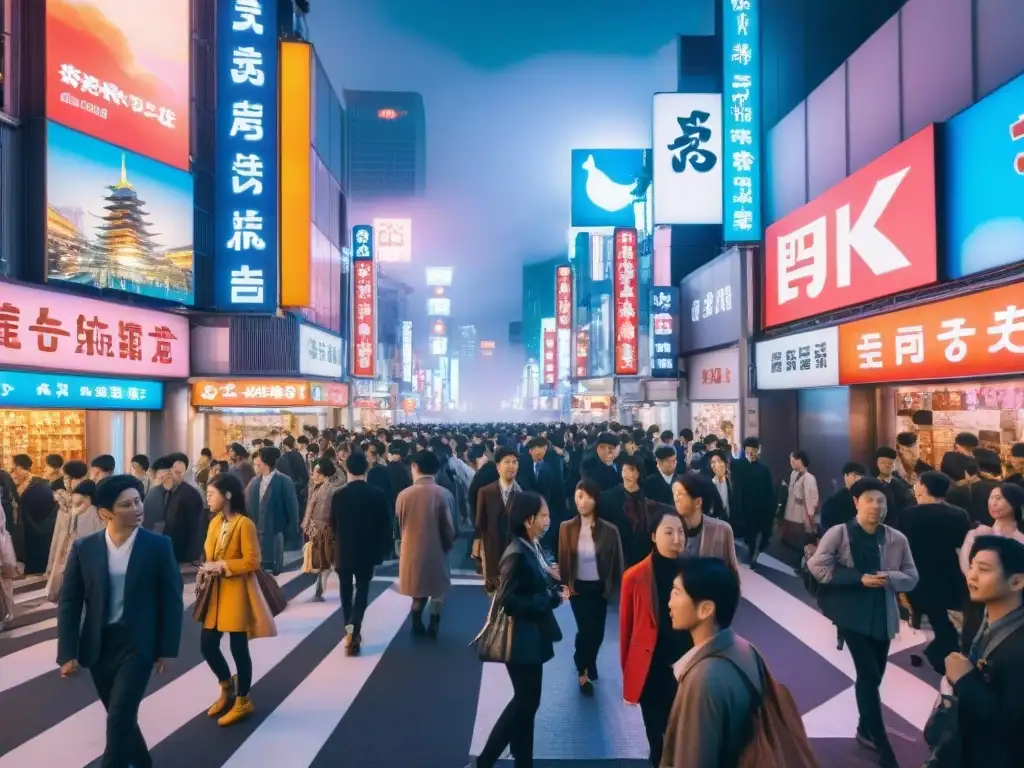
x,y
242,709
227,693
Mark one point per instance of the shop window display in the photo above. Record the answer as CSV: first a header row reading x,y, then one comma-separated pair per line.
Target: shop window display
x,y
224,429
994,411
717,419
40,433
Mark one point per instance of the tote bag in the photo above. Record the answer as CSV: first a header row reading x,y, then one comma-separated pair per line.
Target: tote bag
x,y
494,642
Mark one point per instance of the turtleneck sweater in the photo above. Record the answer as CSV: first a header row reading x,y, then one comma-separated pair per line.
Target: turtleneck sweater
x,y
671,644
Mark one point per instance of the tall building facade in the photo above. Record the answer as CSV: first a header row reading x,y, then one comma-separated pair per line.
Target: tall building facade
x,y
538,301
386,143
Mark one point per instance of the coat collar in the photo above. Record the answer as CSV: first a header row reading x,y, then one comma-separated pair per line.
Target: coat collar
x,y
721,642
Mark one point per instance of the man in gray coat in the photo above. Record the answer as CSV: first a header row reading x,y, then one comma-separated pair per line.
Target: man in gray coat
x,y
713,699
424,515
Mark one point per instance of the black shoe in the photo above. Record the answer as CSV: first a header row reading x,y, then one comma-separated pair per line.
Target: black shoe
x,y
592,674
435,622
354,643
586,687
418,629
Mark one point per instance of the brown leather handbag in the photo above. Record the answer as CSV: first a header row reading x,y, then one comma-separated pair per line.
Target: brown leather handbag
x,y
204,596
272,592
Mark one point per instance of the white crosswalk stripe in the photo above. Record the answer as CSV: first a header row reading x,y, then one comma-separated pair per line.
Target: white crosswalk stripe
x,y
307,691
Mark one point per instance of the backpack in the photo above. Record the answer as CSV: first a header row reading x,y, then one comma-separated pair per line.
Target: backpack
x,y
777,736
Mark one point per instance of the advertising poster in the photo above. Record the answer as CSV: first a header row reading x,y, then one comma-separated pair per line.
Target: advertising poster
x,y
800,361
550,358
711,300
119,71
665,332
117,219
687,158
394,240
984,166
582,353
627,307
605,186
364,303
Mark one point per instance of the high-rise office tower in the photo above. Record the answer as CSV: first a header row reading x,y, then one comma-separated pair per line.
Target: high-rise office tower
x,y
387,144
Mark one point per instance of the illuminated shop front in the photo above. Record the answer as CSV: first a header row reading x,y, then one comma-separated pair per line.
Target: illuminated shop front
x,y
713,384
591,409
81,377
375,411
943,368
242,410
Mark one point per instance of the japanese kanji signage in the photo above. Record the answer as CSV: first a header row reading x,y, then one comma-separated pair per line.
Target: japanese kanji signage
x,y
31,389
245,259
687,158
582,353
563,298
741,119
626,304
870,236
319,353
977,335
550,358
364,303
711,300
58,331
800,361
714,376
268,393
394,240
664,332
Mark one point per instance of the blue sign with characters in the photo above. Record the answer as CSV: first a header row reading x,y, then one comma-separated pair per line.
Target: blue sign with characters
x,y
741,118
245,261
664,332
984,164
27,389
605,185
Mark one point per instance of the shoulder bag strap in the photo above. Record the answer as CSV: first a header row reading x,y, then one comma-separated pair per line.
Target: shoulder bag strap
x,y
1001,634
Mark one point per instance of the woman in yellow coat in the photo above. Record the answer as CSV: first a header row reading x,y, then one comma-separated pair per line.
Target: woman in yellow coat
x,y
236,604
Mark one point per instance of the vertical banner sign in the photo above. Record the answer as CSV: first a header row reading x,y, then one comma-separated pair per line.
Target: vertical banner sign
x,y
741,43
627,315
563,320
245,260
550,358
364,303
664,332
582,354
407,351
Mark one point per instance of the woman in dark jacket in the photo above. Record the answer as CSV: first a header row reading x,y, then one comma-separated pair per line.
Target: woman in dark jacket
x,y
528,597
590,565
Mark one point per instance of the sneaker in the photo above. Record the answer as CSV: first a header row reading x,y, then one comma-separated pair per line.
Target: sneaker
x,y
242,710
348,634
227,694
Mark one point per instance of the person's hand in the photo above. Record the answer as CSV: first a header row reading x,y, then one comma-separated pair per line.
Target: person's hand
x,y
160,666
873,580
957,665
554,573
564,594
69,668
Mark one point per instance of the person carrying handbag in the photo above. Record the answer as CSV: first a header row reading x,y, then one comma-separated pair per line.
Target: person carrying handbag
x,y
521,630
229,598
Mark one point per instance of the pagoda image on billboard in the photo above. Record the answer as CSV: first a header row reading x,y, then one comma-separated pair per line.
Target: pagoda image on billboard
x,y
123,252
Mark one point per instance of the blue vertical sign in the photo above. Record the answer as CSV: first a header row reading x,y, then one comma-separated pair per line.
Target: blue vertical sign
x,y
364,303
741,41
245,260
664,332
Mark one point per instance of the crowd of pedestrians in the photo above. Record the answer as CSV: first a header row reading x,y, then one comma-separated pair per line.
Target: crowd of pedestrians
x,y
653,527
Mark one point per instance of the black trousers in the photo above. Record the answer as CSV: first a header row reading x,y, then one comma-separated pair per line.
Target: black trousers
x,y
120,676
946,640
515,725
655,705
870,657
209,646
590,609
353,609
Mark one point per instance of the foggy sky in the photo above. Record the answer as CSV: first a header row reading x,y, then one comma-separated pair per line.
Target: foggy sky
x,y
508,92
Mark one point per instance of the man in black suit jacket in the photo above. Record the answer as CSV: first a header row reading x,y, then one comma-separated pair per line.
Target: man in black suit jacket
x,y
658,487
538,475
361,523
128,584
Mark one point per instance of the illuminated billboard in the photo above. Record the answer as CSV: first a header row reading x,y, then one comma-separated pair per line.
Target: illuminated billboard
x,y
119,71
439,307
394,240
439,276
605,186
116,219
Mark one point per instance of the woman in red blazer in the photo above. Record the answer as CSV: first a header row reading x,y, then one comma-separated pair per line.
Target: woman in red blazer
x,y
648,644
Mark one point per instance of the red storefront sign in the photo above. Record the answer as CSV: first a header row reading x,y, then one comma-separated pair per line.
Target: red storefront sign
x,y
59,331
550,358
364,362
981,334
582,354
872,235
563,298
627,307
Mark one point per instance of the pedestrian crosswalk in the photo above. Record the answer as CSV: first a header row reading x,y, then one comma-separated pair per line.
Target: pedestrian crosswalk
x,y
414,702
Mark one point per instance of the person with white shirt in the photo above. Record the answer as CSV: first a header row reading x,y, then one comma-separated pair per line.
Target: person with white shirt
x,y
127,583
590,564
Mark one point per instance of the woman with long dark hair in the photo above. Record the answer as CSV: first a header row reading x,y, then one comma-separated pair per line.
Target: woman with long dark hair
x,y
526,595
590,565
232,557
